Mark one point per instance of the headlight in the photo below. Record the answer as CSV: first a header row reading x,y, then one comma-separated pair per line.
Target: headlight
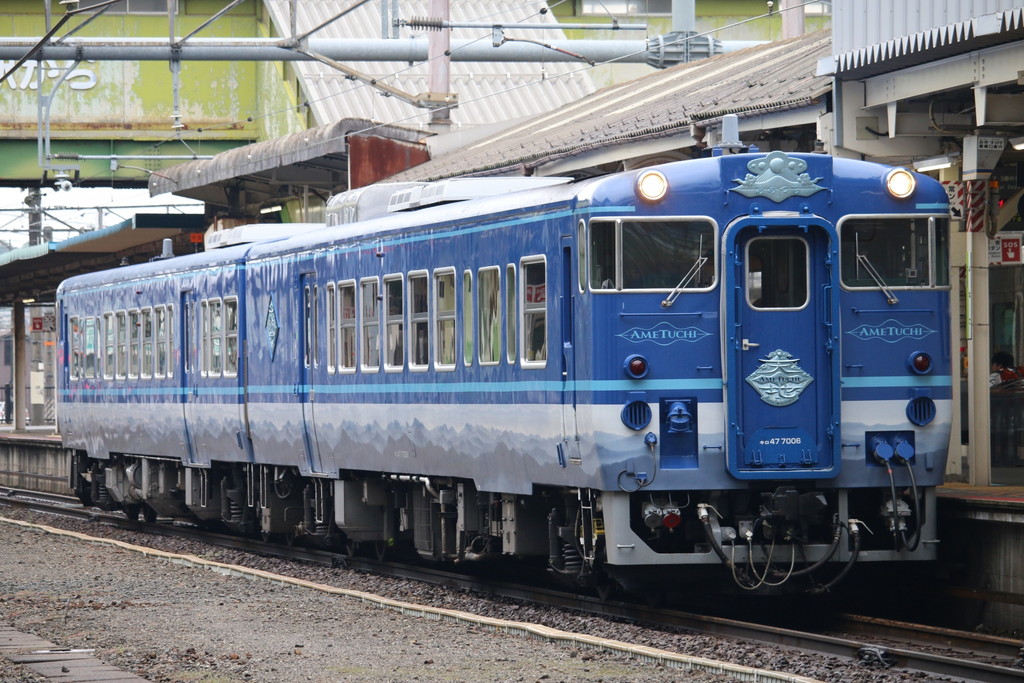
x,y
900,183
651,186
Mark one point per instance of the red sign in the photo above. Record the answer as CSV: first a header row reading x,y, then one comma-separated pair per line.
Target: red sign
x,y
37,324
1011,249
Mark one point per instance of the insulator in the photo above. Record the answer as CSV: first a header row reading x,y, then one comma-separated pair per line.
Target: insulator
x,y
427,23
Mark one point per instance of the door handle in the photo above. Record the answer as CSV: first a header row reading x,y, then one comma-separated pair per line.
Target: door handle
x,y
747,345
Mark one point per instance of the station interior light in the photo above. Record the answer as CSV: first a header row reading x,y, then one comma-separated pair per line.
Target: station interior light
x,y
935,163
1017,143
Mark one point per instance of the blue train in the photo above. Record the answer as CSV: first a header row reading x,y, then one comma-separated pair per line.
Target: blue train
x,y
738,364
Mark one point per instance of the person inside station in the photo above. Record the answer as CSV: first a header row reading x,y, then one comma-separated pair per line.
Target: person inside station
x,y
1003,370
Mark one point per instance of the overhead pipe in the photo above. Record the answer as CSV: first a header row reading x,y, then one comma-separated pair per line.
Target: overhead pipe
x,y
651,51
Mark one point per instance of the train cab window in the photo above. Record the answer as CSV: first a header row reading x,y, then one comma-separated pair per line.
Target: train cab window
x,y
230,337
894,251
370,308
347,326
394,357
419,321
489,315
147,342
467,317
444,320
777,273
332,327
655,254
510,312
122,345
534,307
109,332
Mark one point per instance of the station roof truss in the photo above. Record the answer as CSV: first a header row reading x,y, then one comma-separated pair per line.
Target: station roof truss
x,y
34,272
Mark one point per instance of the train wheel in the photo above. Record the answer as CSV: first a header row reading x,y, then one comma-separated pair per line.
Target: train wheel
x,y
381,548
132,511
148,514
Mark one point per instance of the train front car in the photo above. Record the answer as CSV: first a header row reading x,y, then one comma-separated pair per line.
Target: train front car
x,y
768,371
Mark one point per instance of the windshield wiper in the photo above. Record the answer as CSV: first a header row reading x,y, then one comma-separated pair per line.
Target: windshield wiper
x,y
690,274
873,274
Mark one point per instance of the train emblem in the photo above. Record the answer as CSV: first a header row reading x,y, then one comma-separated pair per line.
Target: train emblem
x,y
779,381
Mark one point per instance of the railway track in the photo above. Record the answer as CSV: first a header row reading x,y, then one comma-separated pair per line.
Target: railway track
x,y
873,643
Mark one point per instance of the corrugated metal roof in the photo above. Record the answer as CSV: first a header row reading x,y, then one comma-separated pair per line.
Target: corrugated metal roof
x,y
755,81
488,92
878,36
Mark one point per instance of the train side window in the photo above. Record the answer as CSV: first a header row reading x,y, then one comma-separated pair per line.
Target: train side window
x,y
394,358
134,339
467,317
370,308
122,345
534,307
76,347
777,273
309,349
169,321
211,335
603,268
510,312
89,345
109,332
147,342
444,319
347,331
581,254
160,329
332,328
489,315
230,337
419,321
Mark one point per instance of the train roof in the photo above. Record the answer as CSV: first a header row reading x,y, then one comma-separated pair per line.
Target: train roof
x,y
156,267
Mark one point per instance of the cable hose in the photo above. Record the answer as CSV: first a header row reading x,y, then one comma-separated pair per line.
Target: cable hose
x,y
855,535
911,547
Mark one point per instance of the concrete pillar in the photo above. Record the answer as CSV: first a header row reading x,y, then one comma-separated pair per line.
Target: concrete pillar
x,y
979,361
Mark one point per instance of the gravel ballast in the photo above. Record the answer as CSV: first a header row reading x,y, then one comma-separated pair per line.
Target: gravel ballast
x,y
171,622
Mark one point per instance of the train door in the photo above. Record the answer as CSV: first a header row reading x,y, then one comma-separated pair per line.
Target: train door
x,y
188,368
782,357
309,364
570,430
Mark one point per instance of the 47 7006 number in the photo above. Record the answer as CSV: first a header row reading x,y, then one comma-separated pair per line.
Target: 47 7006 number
x,y
782,441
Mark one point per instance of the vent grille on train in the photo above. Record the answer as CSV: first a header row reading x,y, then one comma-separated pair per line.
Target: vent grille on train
x,y
921,410
636,415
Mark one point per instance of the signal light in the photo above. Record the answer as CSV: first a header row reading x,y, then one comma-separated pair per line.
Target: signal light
x,y
636,366
920,363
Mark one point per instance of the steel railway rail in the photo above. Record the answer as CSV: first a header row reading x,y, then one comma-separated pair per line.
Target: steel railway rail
x,y
957,654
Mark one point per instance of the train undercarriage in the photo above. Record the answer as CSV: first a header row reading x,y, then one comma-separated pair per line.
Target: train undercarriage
x,y
777,535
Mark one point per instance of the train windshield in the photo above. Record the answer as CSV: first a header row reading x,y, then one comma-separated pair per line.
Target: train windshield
x,y
894,251
656,254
